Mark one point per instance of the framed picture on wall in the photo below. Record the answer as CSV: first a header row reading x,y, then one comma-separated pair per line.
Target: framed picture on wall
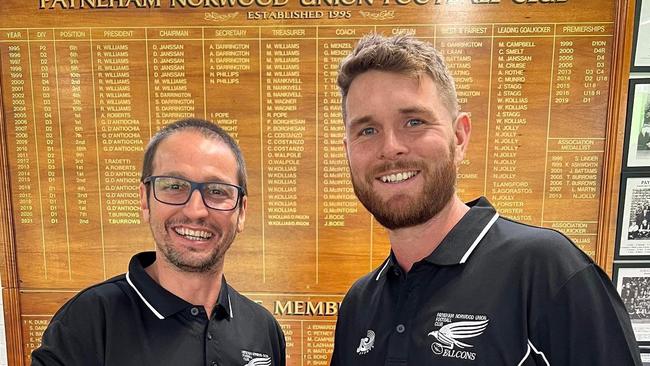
x,y
641,45
645,356
637,129
633,229
632,281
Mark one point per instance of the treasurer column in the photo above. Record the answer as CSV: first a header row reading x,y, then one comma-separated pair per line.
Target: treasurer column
x,y
288,125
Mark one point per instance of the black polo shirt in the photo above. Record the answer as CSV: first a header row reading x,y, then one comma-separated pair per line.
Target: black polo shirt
x,y
131,320
494,292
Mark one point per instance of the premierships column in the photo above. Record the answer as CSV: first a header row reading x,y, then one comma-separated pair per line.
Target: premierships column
x,y
578,111
289,99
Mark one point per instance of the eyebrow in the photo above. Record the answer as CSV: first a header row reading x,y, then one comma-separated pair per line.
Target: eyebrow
x,y
359,121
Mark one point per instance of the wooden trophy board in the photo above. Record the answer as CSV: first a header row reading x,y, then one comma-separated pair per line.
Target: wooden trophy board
x,y
85,84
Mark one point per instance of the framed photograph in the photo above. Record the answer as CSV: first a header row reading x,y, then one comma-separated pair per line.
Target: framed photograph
x,y
637,129
645,356
641,45
633,229
632,281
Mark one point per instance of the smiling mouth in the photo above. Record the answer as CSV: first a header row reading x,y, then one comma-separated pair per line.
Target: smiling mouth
x,y
398,177
193,234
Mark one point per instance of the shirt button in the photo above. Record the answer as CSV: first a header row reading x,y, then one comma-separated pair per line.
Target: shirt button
x,y
400,328
194,311
209,336
213,363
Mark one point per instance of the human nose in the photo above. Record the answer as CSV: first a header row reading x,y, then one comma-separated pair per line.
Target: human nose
x,y
195,207
393,146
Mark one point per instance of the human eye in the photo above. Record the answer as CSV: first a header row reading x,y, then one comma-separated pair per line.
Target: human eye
x,y
172,184
218,190
413,122
367,131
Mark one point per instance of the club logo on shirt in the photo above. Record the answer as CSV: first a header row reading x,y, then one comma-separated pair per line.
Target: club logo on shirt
x,y
453,332
366,343
255,358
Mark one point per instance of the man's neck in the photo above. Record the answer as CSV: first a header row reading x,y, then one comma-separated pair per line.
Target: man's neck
x,y
414,243
196,288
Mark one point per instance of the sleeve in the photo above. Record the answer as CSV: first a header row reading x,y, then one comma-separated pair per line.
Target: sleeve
x,y
585,323
72,337
281,348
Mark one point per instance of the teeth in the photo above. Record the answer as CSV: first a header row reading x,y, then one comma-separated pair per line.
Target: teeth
x,y
396,178
193,234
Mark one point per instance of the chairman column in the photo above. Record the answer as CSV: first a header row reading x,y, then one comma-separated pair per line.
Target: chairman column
x,y
175,74
232,99
574,161
289,157
519,119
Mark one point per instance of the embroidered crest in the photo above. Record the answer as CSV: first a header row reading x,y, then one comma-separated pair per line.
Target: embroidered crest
x,y
255,358
366,343
454,334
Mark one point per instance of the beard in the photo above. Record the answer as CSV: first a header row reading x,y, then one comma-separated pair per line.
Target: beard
x,y
190,260
405,209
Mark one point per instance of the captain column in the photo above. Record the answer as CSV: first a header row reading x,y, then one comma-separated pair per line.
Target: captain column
x,y
576,144
79,143
519,119
289,177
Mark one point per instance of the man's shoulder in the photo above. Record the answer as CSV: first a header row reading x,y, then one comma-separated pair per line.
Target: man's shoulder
x,y
537,240
98,297
246,307
535,250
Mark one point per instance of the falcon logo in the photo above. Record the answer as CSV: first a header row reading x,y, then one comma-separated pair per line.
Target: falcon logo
x,y
255,358
451,337
366,343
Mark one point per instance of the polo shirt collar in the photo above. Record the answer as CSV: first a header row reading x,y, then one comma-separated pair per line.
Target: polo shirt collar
x,y
466,235
161,302
461,241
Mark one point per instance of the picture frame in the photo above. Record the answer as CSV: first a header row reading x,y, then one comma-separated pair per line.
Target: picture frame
x,y
641,41
645,356
632,281
633,229
637,127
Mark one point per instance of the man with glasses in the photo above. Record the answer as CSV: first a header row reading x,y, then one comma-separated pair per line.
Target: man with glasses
x,y
173,306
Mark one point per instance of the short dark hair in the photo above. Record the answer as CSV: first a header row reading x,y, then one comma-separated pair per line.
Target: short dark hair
x,y
207,129
400,54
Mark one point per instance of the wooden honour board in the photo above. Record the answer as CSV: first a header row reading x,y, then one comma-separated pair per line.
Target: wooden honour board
x,y
85,83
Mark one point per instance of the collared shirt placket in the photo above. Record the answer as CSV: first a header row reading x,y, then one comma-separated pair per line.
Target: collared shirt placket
x,y
407,304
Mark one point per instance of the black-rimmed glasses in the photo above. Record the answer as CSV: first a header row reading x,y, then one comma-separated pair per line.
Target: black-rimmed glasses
x,y
177,191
